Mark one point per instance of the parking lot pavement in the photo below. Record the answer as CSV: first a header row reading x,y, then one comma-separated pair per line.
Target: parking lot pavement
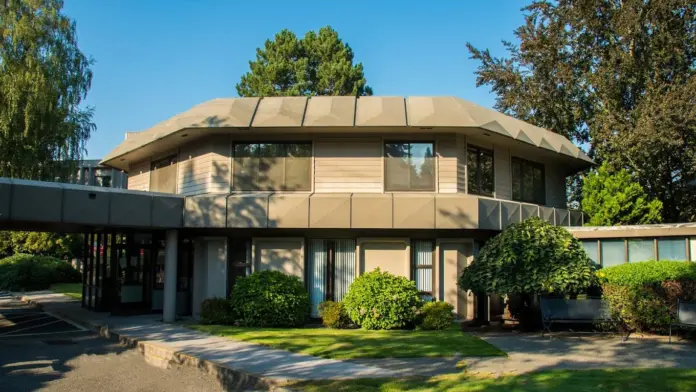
x,y
41,352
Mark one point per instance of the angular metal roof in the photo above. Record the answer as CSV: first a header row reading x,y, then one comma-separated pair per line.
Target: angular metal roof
x,y
350,114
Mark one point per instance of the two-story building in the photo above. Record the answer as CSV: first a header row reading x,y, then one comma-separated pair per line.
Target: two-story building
x,y
327,188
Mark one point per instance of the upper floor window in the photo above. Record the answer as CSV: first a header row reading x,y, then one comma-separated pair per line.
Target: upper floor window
x,y
480,174
409,166
272,166
528,181
163,175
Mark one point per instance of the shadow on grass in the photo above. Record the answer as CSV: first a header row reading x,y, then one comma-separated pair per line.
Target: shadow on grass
x,y
635,380
357,343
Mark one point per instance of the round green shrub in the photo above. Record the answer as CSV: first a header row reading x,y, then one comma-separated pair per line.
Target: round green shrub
x,y
29,272
436,316
333,315
643,296
270,299
216,311
380,300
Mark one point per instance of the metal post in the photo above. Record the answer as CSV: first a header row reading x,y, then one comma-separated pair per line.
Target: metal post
x,y
170,270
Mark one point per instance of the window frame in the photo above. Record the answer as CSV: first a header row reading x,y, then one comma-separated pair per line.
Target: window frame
x,y
433,188
532,165
156,165
479,172
283,143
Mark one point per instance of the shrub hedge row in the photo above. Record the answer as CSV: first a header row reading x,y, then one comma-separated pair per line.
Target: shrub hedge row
x,y
29,272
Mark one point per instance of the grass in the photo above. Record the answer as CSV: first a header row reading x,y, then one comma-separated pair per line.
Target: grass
x,y
634,380
72,290
358,343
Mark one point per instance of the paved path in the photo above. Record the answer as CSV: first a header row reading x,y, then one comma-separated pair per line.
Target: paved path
x,y
56,358
273,364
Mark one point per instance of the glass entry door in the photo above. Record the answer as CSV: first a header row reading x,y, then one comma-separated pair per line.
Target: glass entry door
x,y
331,270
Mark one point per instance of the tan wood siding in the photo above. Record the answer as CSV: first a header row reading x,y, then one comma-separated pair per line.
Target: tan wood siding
x,y
503,179
221,166
461,164
348,165
555,187
139,176
194,169
446,152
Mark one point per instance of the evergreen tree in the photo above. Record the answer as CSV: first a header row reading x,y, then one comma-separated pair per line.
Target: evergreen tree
x,y
319,64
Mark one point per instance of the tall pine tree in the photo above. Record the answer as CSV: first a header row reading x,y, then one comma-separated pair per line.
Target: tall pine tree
x,y
319,64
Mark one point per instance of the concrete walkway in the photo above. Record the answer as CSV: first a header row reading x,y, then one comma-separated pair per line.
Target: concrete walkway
x,y
272,365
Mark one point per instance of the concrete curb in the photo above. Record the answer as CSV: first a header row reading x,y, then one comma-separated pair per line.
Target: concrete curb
x,y
166,358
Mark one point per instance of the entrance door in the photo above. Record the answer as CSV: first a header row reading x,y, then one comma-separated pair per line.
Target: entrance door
x,y
331,270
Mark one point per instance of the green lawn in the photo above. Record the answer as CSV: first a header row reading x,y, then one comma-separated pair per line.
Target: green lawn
x,y
72,290
358,343
634,380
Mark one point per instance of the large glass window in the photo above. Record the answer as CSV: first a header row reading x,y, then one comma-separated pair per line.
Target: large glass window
x,y
480,174
422,264
613,252
592,249
671,248
409,166
272,166
641,249
528,181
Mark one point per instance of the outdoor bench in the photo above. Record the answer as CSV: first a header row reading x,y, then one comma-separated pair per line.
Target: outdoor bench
x,y
686,316
561,310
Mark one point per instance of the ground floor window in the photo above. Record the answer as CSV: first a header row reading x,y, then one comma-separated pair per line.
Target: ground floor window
x,y
239,260
422,267
331,270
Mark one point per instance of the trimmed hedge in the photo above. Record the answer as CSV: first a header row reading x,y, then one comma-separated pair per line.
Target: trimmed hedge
x,y
216,311
270,299
644,295
380,300
333,315
29,272
436,316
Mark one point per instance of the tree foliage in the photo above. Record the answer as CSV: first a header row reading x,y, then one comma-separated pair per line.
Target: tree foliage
x,y
318,64
43,79
617,73
62,246
617,199
531,257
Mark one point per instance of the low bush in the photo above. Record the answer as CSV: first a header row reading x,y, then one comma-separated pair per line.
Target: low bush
x,y
28,272
216,311
436,316
270,299
380,300
644,295
333,315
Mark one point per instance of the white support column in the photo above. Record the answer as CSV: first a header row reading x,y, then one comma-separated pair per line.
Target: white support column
x,y
170,258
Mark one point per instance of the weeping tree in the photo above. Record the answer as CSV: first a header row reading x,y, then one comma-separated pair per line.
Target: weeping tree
x,y
44,78
529,259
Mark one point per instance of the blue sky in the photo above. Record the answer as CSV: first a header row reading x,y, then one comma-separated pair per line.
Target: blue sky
x,y
157,58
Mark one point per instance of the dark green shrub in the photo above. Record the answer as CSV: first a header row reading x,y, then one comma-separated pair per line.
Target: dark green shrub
x,y
526,260
216,311
28,272
436,316
380,300
644,295
270,299
333,315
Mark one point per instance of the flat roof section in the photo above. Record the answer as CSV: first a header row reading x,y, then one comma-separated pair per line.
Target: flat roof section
x,y
635,231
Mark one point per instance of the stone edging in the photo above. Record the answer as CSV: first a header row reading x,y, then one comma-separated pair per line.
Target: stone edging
x,y
166,358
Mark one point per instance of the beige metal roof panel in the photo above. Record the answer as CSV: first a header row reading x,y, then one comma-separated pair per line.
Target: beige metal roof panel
x,y
280,112
330,112
380,112
437,112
